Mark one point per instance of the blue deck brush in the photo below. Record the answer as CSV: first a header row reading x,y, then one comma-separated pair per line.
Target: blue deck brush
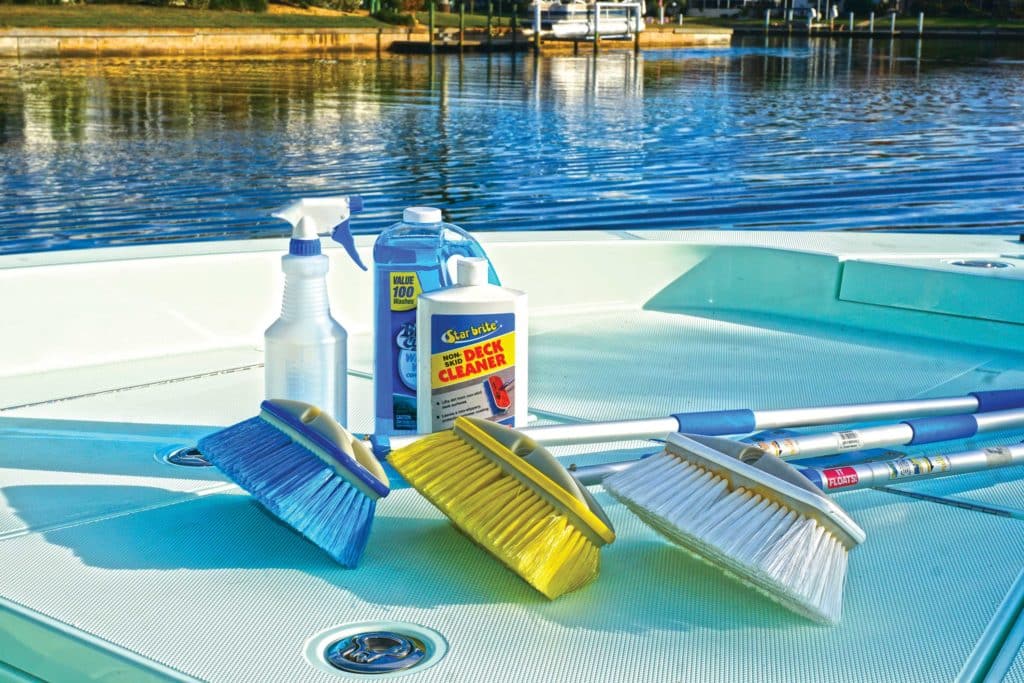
x,y
307,470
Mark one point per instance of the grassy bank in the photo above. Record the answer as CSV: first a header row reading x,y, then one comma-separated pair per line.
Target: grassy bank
x,y
145,17
141,16
447,20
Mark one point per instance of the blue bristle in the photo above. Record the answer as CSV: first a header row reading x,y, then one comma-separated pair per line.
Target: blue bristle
x,y
295,485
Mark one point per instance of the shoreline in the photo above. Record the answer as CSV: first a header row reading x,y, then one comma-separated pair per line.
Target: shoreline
x,y
273,42
883,32
51,43
58,43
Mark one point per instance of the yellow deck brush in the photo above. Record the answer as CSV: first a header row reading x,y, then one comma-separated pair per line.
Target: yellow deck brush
x,y
749,513
512,498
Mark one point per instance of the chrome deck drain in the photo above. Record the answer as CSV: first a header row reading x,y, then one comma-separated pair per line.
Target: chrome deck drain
x,y
980,263
376,649
184,456
376,652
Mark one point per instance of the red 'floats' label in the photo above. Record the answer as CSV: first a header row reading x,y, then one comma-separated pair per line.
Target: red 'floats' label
x,y
838,477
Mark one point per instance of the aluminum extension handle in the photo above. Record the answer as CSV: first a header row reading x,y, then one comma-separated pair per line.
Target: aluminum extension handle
x,y
910,468
907,433
868,474
743,421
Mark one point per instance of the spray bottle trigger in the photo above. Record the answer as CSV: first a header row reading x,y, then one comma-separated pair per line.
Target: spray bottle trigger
x,y
342,234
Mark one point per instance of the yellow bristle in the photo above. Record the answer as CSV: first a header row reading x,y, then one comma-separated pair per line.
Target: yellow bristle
x,y
499,513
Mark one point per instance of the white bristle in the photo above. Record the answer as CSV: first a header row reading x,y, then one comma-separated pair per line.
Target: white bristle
x,y
790,558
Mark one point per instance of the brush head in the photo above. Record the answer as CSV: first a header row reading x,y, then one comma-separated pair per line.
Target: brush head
x,y
748,513
307,470
512,498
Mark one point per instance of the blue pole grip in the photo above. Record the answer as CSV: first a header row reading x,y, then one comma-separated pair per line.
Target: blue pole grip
x,y
943,428
1001,399
717,422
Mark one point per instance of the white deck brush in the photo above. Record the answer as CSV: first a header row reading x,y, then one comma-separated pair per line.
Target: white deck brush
x,y
749,513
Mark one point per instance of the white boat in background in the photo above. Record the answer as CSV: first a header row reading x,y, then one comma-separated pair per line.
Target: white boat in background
x,y
585,20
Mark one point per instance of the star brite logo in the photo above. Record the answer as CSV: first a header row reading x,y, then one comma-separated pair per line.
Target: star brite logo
x,y
471,333
468,348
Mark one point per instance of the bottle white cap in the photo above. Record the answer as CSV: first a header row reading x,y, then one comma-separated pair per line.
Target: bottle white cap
x,y
421,214
471,271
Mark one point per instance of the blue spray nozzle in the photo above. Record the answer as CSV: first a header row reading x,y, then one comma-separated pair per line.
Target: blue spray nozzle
x,y
342,234
314,216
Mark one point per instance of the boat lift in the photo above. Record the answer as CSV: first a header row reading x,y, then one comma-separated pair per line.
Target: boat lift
x,y
587,21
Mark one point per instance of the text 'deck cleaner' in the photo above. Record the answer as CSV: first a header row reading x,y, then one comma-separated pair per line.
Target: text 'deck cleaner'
x,y
472,360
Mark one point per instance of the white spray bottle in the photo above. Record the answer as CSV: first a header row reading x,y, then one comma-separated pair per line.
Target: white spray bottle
x,y
306,357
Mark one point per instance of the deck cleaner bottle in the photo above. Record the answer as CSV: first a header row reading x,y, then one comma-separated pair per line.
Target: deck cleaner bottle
x,y
472,352
411,257
306,349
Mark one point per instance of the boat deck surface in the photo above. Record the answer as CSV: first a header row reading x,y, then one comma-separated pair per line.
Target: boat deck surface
x,y
115,562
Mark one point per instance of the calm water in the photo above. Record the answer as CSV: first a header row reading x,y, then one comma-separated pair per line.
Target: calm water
x,y
827,135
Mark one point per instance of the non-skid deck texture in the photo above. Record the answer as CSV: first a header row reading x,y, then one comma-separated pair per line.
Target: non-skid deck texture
x,y
52,475
1016,672
214,588
638,363
187,571
211,398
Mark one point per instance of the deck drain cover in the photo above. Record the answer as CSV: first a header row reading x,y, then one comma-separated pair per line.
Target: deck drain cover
x,y
978,263
186,456
376,649
376,652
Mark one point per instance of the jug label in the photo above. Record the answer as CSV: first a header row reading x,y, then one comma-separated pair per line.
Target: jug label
x,y
472,367
398,352
405,290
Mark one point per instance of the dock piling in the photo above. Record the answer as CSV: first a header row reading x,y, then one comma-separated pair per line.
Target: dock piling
x,y
490,13
430,25
767,19
871,22
513,26
851,23
536,28
892,23
920,23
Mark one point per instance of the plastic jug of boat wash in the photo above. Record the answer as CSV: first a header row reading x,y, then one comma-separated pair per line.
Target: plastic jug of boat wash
x,y
306,349
472,342
413,256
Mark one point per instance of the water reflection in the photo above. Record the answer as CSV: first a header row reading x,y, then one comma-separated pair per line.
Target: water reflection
x,y
827,134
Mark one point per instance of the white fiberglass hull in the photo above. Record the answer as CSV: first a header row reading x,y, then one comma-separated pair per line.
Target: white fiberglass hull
x,y
114,563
